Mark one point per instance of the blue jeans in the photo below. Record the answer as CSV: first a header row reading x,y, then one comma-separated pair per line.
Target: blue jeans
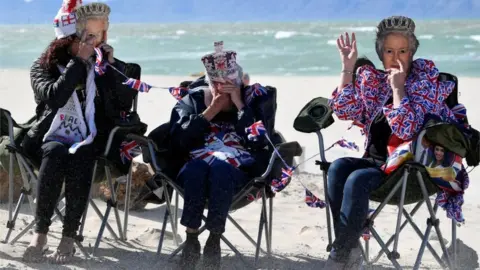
x,y
350,181
217,183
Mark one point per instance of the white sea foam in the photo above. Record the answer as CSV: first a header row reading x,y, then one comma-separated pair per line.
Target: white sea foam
x,y
426,37
475,37
284,34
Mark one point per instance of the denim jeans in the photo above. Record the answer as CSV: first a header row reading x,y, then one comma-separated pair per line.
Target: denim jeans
x,y
350,181
217,183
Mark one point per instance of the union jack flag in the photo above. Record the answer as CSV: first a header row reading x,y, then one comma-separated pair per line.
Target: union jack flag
x,y
279,185
178,92
128,151
349,145
252,197
100,66
138,85
460,111
255,91
256,130
312,201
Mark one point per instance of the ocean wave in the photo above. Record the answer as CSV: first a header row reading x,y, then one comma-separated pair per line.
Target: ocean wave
x,y
426,37
357,28
181,32
332,42
475,37
315,68
284,34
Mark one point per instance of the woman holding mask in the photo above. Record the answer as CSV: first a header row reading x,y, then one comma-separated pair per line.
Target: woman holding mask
x,y
73,116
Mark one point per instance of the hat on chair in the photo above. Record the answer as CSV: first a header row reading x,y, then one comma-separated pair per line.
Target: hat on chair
x,y
316,115
66,19
221,65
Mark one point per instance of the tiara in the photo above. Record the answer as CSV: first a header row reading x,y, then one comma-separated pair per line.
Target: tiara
x,y
396,23
92,10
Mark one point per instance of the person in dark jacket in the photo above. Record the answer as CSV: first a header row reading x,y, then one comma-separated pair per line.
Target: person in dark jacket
x,y
74,114
208,128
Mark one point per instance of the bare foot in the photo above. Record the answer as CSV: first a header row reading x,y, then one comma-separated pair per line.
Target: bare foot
x,y
36,249
64,253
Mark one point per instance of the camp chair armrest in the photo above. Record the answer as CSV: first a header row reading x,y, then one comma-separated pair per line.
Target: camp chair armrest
x,y
112,135
287,149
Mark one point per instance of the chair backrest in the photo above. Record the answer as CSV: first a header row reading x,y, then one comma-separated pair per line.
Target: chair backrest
x,y
452,99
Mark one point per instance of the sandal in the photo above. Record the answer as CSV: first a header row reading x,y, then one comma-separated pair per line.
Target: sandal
x,y
34,254
59,257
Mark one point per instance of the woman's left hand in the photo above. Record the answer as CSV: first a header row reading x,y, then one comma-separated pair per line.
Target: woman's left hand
x,y
397,77
235,94
109,51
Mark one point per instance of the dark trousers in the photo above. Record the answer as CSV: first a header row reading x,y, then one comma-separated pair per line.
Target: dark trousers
x,y
58,166
350,182
217,183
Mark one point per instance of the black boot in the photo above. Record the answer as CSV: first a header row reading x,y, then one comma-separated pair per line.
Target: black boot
x,y
191,252
212,252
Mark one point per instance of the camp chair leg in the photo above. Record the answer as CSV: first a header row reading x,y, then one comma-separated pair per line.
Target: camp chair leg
x,y
11,220
100,215
167,217
259,237
128,188
407,216
162,233
433,221
267,224
270,230
175,213
385,248
249,238
454,243
111,203
169,209
327,212
399,215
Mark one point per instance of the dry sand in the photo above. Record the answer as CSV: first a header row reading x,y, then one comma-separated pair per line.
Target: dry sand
x,y
299,232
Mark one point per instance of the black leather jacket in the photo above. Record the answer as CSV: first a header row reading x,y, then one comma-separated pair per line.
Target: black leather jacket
x,y
52,90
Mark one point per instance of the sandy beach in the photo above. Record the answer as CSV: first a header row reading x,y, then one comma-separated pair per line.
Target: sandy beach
x,y
299,232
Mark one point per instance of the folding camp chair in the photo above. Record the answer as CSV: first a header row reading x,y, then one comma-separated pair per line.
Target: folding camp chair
x,y
155,152
131,124
28,168
258,187
409,184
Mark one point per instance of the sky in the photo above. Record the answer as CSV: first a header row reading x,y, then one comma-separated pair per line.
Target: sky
x,y
165,11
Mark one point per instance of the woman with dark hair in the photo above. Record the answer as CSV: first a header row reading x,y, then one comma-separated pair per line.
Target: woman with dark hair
x,y
74,107
389,105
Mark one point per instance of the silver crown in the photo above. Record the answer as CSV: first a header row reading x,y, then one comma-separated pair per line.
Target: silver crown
x,y
92,10
396,23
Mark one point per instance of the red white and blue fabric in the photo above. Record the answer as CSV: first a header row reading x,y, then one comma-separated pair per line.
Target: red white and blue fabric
x,y
279,185
256,130
364,101
138,85
255,92
223,143
312,201
129,150
178,92
425,95
100,65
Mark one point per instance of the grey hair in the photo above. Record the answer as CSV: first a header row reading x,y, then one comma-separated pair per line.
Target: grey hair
x,y
413,43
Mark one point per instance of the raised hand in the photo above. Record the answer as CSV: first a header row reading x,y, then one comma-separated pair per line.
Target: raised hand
x,y
86,46
348,51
